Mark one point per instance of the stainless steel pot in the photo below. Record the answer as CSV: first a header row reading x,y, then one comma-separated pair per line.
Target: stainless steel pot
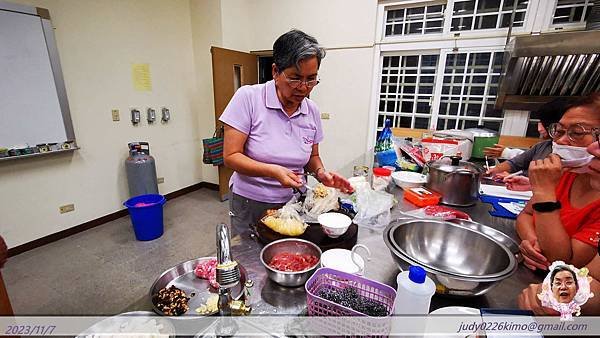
x,y
457,181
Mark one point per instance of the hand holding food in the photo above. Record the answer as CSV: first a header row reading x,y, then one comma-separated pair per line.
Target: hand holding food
x,y
286,177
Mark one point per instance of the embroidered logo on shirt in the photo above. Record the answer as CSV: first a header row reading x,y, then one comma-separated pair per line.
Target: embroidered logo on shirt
x,y
307,140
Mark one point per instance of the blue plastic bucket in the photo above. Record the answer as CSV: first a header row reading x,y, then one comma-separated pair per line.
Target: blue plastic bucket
x,y
146,213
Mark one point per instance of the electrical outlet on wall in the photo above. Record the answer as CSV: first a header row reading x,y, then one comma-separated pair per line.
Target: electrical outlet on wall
x,y
135,116
66,208
160,180
325,116
115,115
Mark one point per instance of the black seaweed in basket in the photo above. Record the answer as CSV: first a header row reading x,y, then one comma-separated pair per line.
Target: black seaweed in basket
x,y
171,301
349,297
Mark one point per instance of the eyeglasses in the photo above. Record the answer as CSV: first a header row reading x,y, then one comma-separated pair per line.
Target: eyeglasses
x,y
576,133
567,283
297,83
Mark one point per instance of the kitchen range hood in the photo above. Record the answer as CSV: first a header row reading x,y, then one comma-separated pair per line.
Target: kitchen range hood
x,y
542,67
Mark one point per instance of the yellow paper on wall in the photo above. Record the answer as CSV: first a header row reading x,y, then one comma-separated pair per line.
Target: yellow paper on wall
x,y
142,80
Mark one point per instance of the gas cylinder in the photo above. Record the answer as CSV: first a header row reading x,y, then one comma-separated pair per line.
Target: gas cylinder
x,y
141,170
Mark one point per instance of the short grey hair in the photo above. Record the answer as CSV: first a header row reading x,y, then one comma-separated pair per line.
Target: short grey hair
x,y
293,47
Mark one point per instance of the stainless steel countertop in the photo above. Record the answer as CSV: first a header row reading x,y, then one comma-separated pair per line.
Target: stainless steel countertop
x,y
270,298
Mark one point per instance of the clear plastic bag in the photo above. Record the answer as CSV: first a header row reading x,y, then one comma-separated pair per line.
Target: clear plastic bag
x,y
286,220
320,199
373,208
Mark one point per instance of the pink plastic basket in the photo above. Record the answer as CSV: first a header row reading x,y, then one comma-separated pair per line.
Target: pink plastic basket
x,y
326,278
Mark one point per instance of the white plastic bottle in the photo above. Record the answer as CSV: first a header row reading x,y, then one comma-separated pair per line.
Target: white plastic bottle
x,y
413,297
414,292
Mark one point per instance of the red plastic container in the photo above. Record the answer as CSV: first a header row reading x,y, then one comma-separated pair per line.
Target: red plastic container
x,y
382,172
422,197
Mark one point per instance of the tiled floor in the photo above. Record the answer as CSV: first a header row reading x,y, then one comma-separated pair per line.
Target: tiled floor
x,y
104,270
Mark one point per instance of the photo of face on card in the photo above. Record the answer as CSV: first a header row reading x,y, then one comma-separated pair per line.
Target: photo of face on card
x,y
565,289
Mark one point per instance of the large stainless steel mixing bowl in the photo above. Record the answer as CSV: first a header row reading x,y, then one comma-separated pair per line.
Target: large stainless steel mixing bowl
x,y
460,260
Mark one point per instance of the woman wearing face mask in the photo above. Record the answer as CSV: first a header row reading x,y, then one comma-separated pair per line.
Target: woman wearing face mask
x,y
528,299
549,113
561,219
273,131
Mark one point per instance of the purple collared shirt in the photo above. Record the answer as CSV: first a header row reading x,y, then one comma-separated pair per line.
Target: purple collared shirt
x,y
273,137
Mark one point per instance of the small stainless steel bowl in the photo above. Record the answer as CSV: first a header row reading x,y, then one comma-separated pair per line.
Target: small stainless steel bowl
x,y
291,245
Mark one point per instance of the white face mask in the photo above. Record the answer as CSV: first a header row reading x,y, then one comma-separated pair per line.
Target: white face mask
x,y
573,157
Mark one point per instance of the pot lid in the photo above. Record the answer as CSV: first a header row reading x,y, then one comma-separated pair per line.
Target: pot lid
x,y
455,134
452,164
480,131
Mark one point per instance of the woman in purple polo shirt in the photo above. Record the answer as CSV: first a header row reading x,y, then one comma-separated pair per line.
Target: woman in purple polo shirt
x,y
273,131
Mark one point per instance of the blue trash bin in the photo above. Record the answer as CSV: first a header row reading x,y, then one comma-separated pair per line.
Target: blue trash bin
x,y
146,213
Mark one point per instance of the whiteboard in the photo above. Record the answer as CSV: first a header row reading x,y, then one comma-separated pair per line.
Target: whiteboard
x,y
30,105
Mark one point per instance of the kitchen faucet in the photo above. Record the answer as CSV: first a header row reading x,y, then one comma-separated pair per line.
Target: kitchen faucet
x,y
228,276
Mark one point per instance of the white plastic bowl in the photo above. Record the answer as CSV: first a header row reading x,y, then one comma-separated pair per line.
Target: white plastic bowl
x,y
334,224
408,179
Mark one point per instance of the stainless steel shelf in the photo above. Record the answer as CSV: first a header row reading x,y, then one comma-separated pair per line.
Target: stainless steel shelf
x,y
62,151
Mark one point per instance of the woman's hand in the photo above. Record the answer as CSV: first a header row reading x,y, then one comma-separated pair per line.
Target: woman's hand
x,y
286,177
335,180
544,176
497,175
532,255
518,183
528,300
495,151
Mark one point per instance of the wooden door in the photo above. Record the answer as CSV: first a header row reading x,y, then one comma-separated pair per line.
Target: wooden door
x,y
231,69
5,307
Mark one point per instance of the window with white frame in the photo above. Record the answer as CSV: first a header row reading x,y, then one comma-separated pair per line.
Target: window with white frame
x,y
468,92
487,14
406,92
469,89
571,12
415,20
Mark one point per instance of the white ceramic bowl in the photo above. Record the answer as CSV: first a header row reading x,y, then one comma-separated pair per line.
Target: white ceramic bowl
x,y
408,179
334,224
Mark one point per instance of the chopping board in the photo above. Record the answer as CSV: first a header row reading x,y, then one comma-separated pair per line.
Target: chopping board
x,y
314,233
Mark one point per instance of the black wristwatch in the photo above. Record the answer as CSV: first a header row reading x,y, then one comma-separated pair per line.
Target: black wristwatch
x,y
546,206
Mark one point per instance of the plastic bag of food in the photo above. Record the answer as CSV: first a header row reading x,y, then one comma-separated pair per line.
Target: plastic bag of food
x,y
287,220
437,211
415,153
373,208
319,200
